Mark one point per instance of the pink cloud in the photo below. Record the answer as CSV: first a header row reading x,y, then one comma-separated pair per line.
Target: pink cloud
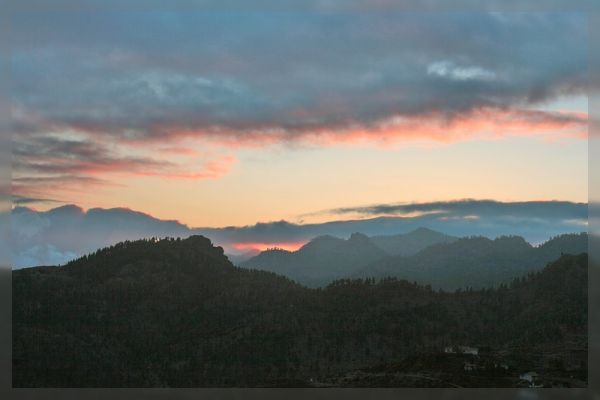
x,y
479,124
179,151
485,123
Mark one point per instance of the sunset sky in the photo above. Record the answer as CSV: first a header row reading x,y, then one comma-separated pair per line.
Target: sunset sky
x,y
231,118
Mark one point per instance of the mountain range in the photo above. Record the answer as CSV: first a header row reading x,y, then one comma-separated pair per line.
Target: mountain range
x,y
326,258
423,255
410,243
177,313
476,262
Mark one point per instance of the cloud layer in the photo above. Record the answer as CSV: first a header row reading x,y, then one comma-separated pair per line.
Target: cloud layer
x,y
55,236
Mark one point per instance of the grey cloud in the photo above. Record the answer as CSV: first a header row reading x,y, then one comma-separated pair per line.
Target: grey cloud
x,y
40,154
148,74
24,200
45,164
71,230
483,208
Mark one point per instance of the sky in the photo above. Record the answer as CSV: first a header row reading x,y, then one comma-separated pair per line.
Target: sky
x,y
218,119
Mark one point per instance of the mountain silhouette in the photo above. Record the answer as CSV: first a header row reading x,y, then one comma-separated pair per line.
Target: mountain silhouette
x,y
320,261
423,255
476,262
412,242
177,313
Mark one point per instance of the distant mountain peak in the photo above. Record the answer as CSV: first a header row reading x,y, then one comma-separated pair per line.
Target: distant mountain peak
x,y
358,237
272,250
411,242
22,209
66,209
476,261
422,229
324,238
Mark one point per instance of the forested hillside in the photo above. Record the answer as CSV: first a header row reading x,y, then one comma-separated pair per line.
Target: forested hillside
x,y
178,313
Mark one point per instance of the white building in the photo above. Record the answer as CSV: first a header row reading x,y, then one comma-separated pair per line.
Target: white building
x,y
529,377
468,350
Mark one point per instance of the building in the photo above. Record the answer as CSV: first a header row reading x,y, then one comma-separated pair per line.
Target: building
x,y
461,350
469,366
529,377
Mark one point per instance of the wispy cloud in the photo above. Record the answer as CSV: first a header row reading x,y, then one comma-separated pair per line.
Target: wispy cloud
x,y
46,164
45,185
22,200
470,208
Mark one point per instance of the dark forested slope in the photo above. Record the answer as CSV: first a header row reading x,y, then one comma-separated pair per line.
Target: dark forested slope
x,y
178,313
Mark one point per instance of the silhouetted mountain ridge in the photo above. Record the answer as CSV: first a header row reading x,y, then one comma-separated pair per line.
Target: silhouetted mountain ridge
x,y
423,255
476,261
412,242
321,260
178,313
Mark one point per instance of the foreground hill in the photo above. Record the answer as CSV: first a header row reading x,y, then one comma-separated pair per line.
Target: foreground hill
x,y
178,313
476,262
326,258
